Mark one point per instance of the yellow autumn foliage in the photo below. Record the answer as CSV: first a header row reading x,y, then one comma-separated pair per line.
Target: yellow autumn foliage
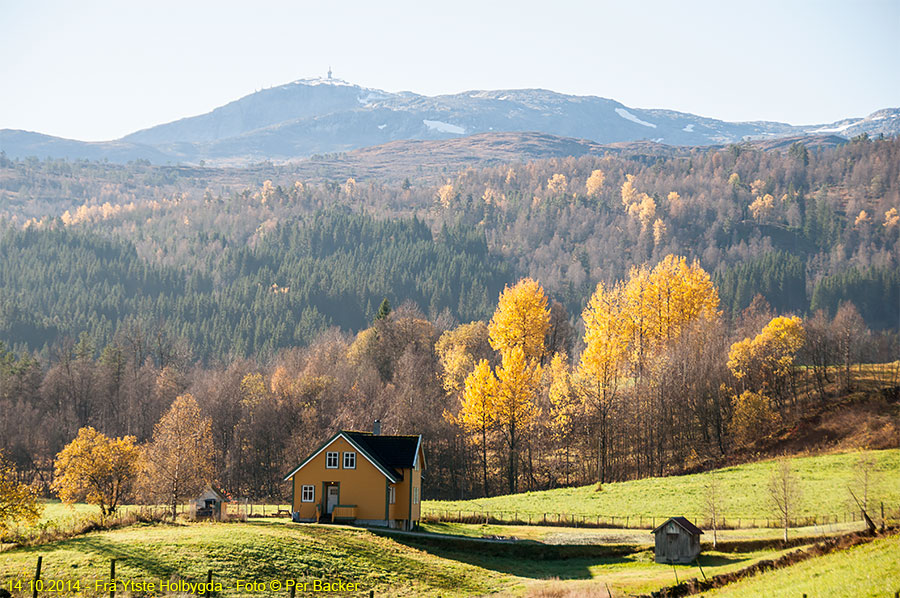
x,y
595,182
445,195
762,206
753,417
520,320
97,469
557,184
477,413
771,352
18,501
518,379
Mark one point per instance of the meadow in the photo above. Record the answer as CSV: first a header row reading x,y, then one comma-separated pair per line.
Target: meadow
x,y
867,571
397,565
391,564
745,501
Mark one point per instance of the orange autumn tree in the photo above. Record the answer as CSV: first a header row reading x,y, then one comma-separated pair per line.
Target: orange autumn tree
x,y
18,501
97,469
180,456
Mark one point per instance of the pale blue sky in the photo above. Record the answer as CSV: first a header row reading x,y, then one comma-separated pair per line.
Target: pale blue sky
x,y
97,70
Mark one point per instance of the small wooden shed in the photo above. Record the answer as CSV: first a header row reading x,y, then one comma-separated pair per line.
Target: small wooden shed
x,y
677,541
209,504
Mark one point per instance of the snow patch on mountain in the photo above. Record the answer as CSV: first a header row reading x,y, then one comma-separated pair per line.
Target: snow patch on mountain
x,y
629,116
835,129
439,125
688,128
323,81
371,97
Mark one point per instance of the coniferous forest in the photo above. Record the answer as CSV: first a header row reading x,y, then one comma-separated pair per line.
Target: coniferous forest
x,y
261,292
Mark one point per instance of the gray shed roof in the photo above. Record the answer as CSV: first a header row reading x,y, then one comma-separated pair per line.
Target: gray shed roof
x,y
684,523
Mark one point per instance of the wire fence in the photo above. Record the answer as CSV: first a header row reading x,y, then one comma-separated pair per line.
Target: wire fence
x,y
645,521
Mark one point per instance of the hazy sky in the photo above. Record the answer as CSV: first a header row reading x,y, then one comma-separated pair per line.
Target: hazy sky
x,y
98,70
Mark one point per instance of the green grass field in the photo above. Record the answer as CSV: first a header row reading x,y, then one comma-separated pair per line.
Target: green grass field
x,y
823,479
867,571
259,551
276,550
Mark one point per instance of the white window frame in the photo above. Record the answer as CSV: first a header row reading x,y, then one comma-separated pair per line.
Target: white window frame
x,y
311,489
352,456
328,457
416,496
392,495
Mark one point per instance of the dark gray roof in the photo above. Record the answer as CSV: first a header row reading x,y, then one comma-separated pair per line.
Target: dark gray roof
x,y
684,523
391,452
387,453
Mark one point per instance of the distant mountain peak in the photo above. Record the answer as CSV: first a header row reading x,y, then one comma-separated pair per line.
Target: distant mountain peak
x,y
322,81
326,114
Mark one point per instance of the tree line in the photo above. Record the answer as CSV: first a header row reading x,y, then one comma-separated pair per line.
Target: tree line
x,y
329,269
806,228
656,381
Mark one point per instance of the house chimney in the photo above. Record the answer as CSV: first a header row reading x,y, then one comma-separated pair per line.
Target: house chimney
x,y
376,427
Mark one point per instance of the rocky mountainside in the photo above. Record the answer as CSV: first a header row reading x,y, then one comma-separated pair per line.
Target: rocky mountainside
x,y
325,116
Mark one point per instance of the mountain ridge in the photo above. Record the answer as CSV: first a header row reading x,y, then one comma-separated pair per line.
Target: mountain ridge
x,y
323,115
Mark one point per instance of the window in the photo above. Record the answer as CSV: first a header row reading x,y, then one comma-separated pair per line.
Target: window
x,y
308,493
415,496
331,460
349,460
392,495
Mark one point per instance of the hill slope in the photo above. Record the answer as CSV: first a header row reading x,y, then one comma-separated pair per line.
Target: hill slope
x,y
867,571
824,480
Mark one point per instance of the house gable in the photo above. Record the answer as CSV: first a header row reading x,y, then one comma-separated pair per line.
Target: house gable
x,y
683,523
393,476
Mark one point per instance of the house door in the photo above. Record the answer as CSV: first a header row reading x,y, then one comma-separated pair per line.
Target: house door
x,y
332,498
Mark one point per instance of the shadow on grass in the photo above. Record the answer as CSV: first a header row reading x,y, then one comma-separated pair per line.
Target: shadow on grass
x,y
524,558
132,556
718,560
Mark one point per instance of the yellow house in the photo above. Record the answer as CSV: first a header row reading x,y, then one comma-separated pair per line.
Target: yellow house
x,y
363,478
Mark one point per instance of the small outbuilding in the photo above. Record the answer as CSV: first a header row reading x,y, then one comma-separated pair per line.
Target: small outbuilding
x,y
677,541
210,504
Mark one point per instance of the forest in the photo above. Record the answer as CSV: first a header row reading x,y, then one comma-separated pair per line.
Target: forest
x,y
556,322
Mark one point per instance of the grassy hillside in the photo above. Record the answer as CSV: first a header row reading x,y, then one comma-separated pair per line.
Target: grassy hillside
x,y
257,551
867,571
265,551
823,479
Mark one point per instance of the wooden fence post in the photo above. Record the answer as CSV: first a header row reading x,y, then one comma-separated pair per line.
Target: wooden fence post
x,y
37,577
112,578
208,591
